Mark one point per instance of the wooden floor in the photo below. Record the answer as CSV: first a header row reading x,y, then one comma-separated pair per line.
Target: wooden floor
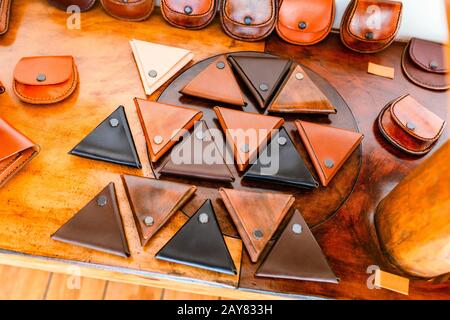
x,y
27,284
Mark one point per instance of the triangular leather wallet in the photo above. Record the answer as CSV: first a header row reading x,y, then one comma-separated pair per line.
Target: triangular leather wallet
x,y
153,202
158,63
328,147
256,216
164,125
16,151
110,141
200,243
297,256
97,226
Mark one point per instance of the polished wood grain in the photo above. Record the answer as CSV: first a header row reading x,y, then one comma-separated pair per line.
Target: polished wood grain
x,y
22,284
74,287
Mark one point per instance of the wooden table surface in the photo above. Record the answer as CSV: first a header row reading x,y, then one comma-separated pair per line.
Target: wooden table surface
x,y
36,202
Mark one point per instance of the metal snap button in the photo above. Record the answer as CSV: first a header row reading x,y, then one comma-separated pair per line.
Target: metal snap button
x,y
248,20
41,77
434,65
200,135
263,87
113,122
297,228
152,74
158,139
282,141
203,218
149,221
302,25
188,10
410,125
299,76
369,35
102,201
329,163
220,65
245,148
257,234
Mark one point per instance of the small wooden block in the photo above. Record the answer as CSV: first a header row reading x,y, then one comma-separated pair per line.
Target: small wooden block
x,y
391,282
381,71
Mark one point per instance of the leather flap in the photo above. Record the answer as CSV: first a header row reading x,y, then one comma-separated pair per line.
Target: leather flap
x,y
250,13
12,141
417,120
190,7
316,15
379,18
428,55
41,71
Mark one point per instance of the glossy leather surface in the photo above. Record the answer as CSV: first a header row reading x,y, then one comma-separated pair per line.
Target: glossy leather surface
x,y
84,5
110,141
97,226
131,10
199,243
5,10
189,14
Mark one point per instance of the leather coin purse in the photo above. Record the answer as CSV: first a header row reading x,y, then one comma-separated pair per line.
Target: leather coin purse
x,y
305,22
424,64
130,10
409,126
45,80
248,20
189,14
370,25
16,151
5,9
84,5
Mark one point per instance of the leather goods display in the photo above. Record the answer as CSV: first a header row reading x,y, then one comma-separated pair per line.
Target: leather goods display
x,y
200,243
2,88
45,80
97,226
370,25
281,164
296,255
256,216
164,125
5,10
189,14
129,10
153,202
305,22
158,63
424,63
218,72
410,126
110,141
248,20
246,133
299,94
198,156
16,151
261,75
328,147
84,5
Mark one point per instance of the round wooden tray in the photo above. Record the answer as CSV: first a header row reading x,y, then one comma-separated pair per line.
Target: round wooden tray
x,y
316,206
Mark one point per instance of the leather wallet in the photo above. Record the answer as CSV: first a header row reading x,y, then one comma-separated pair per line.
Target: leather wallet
x,y
16,151
305,22
256,215
84,5
5,10
261,75
299,94
409,126
200,243
45,80
248,20
198,156
370,25
189,14
153,202
328,147
246,132
424,63
129,10
164,125
218,71
158,63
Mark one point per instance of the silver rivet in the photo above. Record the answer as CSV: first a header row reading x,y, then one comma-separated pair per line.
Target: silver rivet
x,y
248,20
203,218
245,148
152,74
257,234
297,228
200,135
148,220
299,76
434,65
410,125
263,87
41,77
113,122
158,139
220,65
188,10
329,163
302,25
282,141
102,201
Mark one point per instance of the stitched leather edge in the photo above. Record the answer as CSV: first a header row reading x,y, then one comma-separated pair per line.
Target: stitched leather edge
x,y
418,62
164,4
20,165
273,7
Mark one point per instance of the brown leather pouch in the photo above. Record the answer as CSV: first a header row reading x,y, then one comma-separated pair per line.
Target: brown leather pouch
x,y
45,80
84,5
189,14
5,9
248,20
15,152
305,22
370,25
409,126
131,10
424,64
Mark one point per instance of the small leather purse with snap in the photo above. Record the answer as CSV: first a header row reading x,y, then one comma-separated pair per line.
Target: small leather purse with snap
x,y
45,80
189,14
84,5
130,10
248,20
305,22
370,25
